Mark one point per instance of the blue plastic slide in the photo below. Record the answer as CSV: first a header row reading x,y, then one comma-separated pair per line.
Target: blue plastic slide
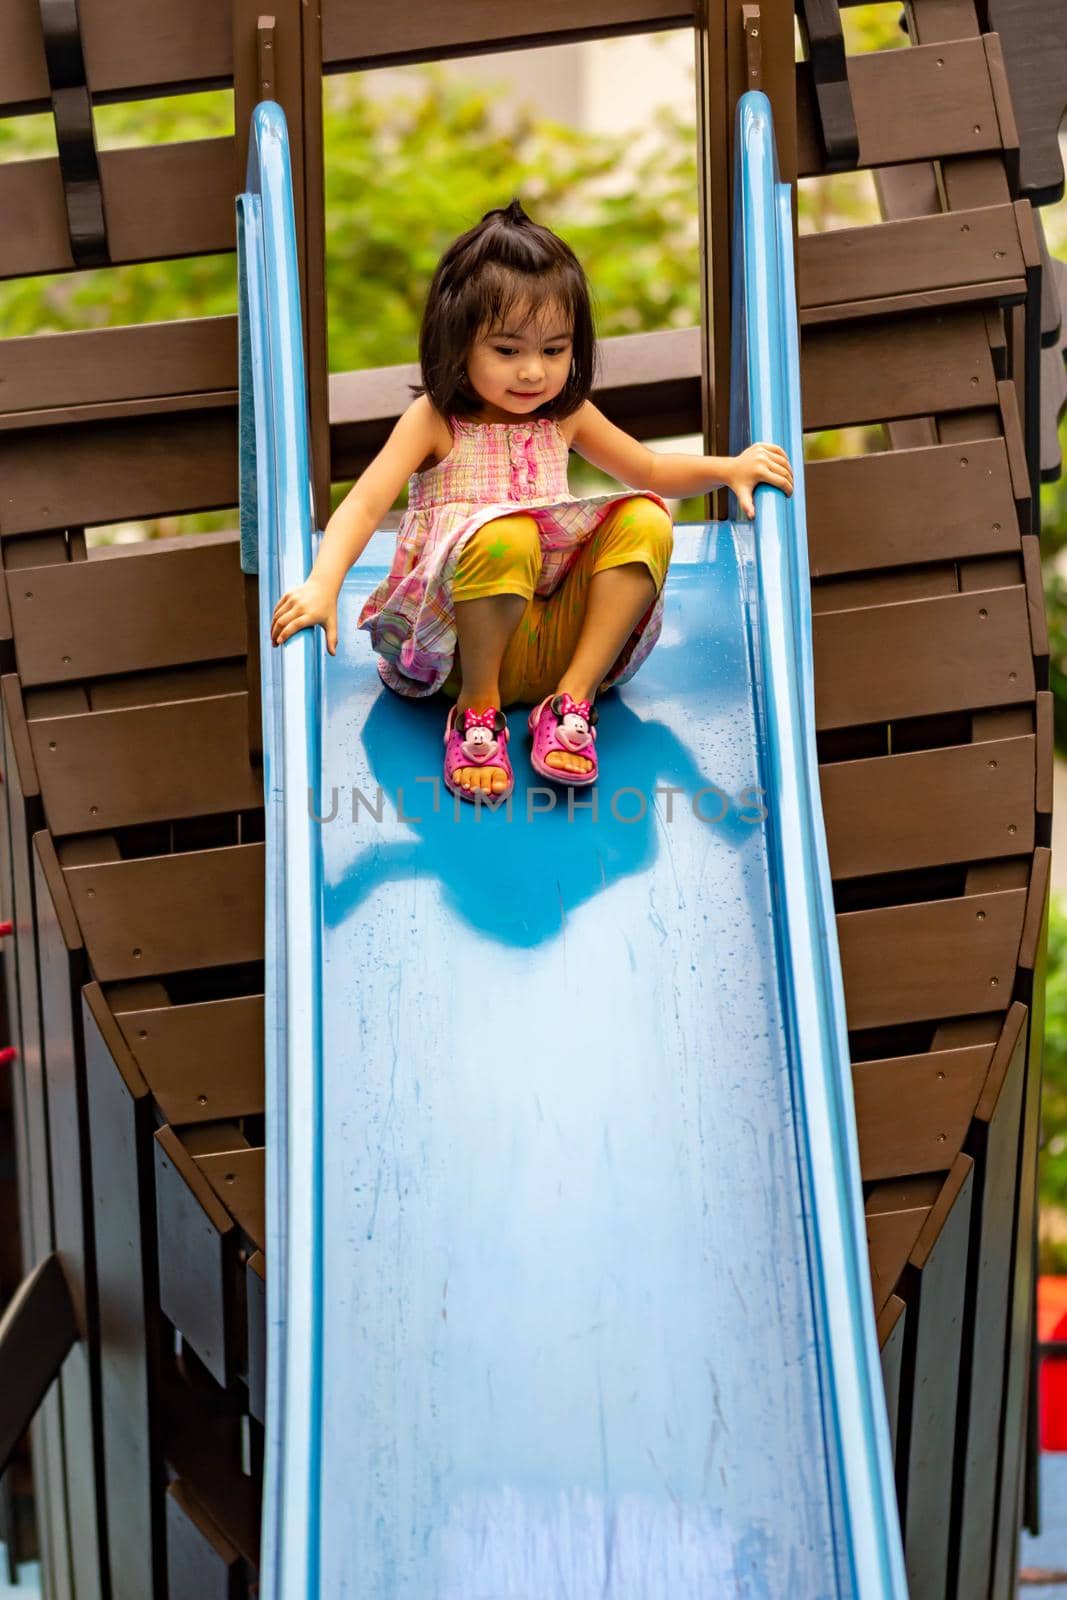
x,y
567,1283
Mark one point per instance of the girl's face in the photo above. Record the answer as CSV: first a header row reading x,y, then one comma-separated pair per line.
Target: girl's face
x,y
516,371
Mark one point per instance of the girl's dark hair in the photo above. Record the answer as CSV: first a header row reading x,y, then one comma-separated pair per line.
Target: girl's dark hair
x,y
480,279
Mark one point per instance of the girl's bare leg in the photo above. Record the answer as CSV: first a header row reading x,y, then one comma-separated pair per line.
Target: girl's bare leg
x,y
618,598
484,627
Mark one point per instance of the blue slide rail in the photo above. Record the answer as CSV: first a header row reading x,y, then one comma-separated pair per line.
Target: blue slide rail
x,y
277,541
277,533
766,406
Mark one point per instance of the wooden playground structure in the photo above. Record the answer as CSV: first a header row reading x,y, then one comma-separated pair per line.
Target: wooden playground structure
x,y
132,1257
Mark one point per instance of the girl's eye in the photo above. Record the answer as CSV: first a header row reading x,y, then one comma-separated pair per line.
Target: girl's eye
x,y
502,350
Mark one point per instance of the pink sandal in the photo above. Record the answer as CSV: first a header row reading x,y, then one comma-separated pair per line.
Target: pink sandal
x,y
560,723
476,739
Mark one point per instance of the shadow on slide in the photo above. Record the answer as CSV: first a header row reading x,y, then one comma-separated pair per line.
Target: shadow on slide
x,y
567,1273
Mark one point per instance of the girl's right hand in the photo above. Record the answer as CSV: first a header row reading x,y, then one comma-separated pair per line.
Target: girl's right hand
x,y
310,602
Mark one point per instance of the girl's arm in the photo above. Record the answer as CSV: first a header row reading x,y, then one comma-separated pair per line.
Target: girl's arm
x,y
349,529
673,476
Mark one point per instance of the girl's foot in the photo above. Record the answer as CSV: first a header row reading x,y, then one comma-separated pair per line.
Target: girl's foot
x,y
564,740
476,754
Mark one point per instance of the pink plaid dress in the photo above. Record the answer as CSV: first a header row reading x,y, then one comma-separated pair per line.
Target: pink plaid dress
x,y
492,470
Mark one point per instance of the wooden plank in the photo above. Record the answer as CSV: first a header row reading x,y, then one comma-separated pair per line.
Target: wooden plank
x,y
156,609
131,1331
895,367
131,52
202,1061
993,1143
142,362
1033,960
914,256
984,807
185,758
919,657
917,104
913,1112
238,1178
202,1564
203,1443
890,508
895,1213
256,1298
25,818
381,35
1033,38
197,1257
1002,292
934,1282
940,958
77,477
890,1330
128,51
161,201
147,915
61,971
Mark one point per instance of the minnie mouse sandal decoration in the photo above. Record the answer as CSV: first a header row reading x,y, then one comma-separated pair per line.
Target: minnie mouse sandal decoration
x,y
569,727
477,739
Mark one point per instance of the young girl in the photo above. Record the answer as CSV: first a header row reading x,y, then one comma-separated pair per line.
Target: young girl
x,y
504,587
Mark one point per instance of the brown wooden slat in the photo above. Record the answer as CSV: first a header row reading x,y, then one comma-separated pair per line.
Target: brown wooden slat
x,y
941,958
1033,37
954,653
77,477
158,608
107,364
897,367
1002,292
919,255
61,971
197,1256
885,588
895,1213
147,916
935,1278
1044,719
256,1299
107,769
25,817
202,1564
911,105
1033,960
379,34
238,1178
994,1144
913,1112
980,804
129,50
203,1446
202,1061
892,1322
132,53
161,201
121,1126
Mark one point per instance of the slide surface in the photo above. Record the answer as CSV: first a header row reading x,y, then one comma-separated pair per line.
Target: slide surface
x,y
567,1285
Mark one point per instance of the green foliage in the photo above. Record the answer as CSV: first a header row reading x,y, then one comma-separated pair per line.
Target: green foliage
x,y
405,175
1052,1167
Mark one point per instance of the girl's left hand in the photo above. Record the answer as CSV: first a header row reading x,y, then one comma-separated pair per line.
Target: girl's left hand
x,y
760,463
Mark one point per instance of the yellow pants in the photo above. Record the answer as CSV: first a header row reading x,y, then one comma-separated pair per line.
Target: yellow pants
x,y
504,557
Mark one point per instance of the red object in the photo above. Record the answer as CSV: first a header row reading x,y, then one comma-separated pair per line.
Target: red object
x,y
6,927
1052,1380
7,1055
